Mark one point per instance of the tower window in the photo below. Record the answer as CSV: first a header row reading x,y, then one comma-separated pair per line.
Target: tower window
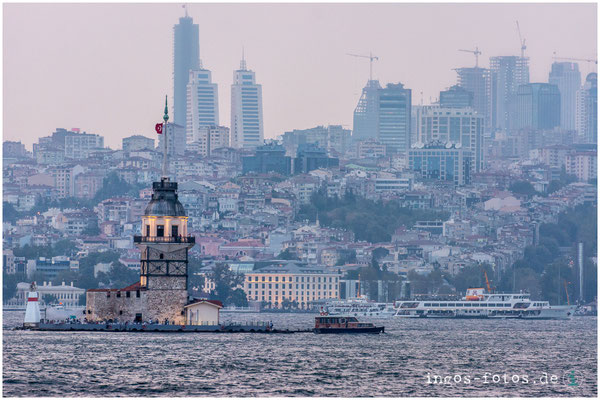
x,y
137,293
160,230
147,230
161,256
174,230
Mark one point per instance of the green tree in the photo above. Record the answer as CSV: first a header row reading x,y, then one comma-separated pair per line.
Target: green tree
x,y
523,187
287,254
225,281
9,212
9,284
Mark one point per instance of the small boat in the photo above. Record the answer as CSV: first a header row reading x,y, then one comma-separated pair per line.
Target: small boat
x,y
340,324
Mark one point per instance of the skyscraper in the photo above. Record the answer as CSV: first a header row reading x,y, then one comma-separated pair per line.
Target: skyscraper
x,y
202,103
186,57
394,117
506,74
365,124
456,97
567,77
537,106
587,110
246,109
477,81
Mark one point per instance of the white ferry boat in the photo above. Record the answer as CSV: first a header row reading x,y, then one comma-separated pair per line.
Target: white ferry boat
x,y
360,307
479,304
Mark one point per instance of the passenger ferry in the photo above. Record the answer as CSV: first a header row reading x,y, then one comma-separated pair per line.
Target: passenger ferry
x,y
360,307
479,304
342,324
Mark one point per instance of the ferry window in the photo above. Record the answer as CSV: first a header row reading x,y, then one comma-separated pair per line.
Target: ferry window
x,y
467,305
450,305
427,304
506,304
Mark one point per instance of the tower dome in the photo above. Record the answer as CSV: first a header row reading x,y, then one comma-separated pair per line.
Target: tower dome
x,y
164,201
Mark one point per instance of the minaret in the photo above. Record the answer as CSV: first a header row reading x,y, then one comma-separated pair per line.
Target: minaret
x,y
164,246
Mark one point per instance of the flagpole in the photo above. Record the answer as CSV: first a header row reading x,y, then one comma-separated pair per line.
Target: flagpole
x,y
165,119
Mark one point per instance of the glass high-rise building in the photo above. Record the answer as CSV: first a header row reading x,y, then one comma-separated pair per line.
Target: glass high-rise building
x,y
202,103
394,117
456,97
537,106
246,109
587,110
477,81
506,74
366,113
186,57
567,77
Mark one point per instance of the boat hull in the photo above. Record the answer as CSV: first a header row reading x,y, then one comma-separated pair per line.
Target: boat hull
x,y
375,329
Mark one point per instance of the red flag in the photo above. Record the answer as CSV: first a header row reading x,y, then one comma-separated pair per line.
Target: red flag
x,y
158,128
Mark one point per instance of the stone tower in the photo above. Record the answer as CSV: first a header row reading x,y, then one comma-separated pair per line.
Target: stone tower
x,y
161,293
164,246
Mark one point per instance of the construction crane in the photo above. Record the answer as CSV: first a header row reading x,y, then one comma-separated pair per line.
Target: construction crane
x,y
476,52
567,292
522,41
371,57
576,59
487,281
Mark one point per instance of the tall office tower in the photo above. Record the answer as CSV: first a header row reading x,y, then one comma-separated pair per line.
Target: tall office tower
x,y
202,103
567,77
186,57
246,109
456,97
537,106
587,110
365,124
394,117
506,74
477,81
457,126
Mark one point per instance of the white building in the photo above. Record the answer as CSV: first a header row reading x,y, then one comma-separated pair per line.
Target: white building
x,y
207,138
80,145
202,103
246,109
176,140
68,295
454,125
584,165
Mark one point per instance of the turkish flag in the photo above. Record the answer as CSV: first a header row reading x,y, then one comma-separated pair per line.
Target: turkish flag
x,y
158,128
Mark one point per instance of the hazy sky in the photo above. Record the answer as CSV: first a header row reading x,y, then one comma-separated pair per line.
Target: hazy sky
x,y
105,68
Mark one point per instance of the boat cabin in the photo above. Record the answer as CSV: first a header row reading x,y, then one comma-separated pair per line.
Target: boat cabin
x,y
339,322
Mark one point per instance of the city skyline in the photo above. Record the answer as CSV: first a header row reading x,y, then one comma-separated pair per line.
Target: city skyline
x,y
305,82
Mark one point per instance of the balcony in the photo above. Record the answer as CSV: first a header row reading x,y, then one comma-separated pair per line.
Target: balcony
x,y
164,239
